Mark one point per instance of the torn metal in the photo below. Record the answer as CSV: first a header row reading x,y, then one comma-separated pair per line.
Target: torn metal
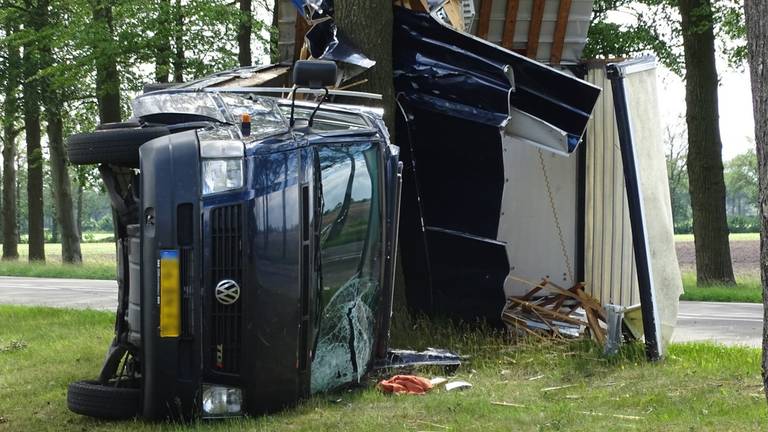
x,y
469,113
406,359
326,42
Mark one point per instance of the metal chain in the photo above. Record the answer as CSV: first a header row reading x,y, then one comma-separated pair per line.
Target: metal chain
x,y
555,217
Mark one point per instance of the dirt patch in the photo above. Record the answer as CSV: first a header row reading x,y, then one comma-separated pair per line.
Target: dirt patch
x,y
745,255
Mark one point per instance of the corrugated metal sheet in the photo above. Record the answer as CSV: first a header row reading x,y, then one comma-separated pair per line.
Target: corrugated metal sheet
x,y
610,263
575,34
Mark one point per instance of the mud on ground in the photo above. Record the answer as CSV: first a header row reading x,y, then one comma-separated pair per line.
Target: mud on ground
x,y
745,255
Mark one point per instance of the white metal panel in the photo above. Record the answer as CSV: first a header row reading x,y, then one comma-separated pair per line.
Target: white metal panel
x,y
527,224
652,169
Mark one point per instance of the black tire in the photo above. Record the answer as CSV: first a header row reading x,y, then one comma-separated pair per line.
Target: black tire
x,y
93,399
120,125
116,146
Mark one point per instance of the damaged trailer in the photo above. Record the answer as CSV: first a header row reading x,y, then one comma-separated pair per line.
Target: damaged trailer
x,y
487,212
512,169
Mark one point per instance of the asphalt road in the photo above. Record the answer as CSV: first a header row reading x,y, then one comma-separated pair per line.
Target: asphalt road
x,y
727,323
69,293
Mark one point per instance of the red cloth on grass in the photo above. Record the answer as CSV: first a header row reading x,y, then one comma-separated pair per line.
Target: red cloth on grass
x,y
408,384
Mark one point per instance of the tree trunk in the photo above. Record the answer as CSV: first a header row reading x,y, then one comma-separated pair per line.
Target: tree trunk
x,y
178,37
62,185
107,77
163,42
705,163
274,36
80,210
54,236
10,132
368,24
31,99
756,12
244,34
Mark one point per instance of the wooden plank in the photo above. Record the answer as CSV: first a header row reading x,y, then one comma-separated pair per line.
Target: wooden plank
x,y
419,5
510,22
552,314
484,21
534,31
301,30
453,11
520,324
561,25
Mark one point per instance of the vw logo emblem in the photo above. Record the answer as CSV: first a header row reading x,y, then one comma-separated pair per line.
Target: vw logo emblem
x,y
227,292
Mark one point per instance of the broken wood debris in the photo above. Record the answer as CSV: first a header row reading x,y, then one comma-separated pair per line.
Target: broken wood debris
x,y
548,389
619,416
508,404
549,311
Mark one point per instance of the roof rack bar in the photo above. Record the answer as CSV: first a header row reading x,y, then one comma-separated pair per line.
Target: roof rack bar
x,y
288,90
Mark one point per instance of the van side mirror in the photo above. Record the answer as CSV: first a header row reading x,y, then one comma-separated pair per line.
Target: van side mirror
x,y
314,75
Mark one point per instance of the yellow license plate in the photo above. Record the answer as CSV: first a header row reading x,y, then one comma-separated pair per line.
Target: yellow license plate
x,y
170,294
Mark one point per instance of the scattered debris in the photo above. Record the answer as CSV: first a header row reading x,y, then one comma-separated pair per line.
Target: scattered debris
x,y
508,404
548,389
551,312
619,416
436,381
14,345
398,359
458,385
536,378
405,384
432,424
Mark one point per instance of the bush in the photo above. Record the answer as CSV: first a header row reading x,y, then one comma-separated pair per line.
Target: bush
x,y
744,224
736,224
684,227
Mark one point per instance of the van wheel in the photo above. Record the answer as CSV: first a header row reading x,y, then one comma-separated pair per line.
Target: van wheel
x,y
111,145
94,399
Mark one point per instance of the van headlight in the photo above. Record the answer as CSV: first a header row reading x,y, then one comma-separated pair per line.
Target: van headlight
x,y
221,401
222,153
220,175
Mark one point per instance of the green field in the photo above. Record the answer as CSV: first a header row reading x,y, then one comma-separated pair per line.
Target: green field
x,y
732,237
98,263
747,290
697,387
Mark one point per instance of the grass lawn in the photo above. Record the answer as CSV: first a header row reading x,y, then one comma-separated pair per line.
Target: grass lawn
x,y
98,263
731,237
697,387
747,290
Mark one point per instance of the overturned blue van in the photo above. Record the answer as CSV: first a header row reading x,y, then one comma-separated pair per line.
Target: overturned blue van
x,y
256,242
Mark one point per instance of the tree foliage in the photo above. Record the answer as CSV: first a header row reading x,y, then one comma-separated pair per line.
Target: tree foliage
x,y
626,28
65,43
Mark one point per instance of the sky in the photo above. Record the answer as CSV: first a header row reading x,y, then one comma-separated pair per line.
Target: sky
x,y
737,127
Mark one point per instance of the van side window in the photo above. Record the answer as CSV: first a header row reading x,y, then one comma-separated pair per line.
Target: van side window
x,y
351,259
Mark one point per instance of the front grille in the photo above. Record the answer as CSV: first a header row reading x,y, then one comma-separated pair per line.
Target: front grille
x,y
226,263
186,273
